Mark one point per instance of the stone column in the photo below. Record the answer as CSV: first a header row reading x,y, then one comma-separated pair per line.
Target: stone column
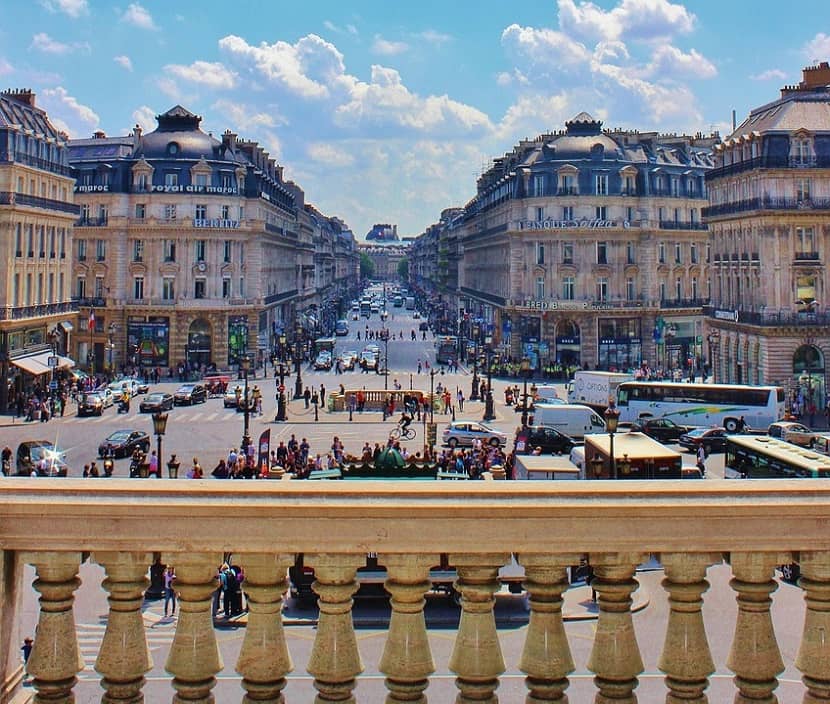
x,y
754,657
11,582
335,661
546,659
264,660
814,652
123,658
56,659
194,657
476,658
407,661
615,658
686,658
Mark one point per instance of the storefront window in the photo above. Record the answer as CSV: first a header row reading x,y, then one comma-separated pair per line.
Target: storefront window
x,y
149,341
237,338
620,343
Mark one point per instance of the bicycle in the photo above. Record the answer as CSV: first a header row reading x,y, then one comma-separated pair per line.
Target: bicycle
x,y
400,433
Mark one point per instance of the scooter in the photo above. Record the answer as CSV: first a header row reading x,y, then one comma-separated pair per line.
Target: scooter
x,y
109,465
123,406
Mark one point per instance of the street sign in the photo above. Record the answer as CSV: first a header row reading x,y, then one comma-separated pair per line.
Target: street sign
x,y
53,384
282,388
52,361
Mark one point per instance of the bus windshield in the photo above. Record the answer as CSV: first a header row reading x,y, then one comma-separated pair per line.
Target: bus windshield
x,y
446,348
763,457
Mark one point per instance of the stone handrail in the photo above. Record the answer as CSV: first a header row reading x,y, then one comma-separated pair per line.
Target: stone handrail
x,y
547,526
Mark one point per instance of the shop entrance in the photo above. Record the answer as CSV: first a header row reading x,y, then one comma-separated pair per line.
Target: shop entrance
x,y
568,344
199,343
808,377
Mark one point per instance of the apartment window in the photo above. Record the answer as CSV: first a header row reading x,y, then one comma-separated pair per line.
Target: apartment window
x,y
802,189
540,252
141,182
168,290
601,181
201,212
804,239
171,178
169,250
567,252
693,216
138,288
661,253
600,212
678,289
61,283
81,250
659,185
39,298
80,287
18,240
170,211
140,211
662,290
241,212
630,253
241,285
28,301
226,212
52,243
226,287
629,289
678,258
537,186
568,288
50,289
42,241
694,289
629,214
566,184
675,186
567,212
103,214
30,240
16,291
692,186
802,151
202,180
201,249
200,288
227,181
708,253
628,186
602,252
693,253
241,252
602,288
99,287
540,288
138,250
226,250
100,250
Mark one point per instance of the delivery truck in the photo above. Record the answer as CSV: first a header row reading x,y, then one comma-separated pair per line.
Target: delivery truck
x,y
595,389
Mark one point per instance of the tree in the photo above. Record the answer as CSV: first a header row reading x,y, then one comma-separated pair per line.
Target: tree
x,y
403,269
367,266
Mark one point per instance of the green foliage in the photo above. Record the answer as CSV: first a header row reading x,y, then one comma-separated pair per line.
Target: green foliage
x,y
367,266
403,269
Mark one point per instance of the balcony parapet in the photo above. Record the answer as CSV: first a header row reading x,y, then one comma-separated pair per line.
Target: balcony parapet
x,y
545,525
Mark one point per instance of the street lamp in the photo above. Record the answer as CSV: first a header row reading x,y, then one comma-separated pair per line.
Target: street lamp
x,y
474,391
714,339
281,411
489,409
385,334
111,344
245,365
612,419
298,386
524,368
159,426
669,333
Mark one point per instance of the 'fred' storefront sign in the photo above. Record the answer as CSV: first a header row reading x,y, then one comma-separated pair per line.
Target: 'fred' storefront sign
x,y
557,305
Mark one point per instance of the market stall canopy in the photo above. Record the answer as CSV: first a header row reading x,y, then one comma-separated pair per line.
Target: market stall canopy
x,y
38,363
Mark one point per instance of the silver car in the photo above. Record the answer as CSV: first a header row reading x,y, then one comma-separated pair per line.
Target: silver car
x,y
464,432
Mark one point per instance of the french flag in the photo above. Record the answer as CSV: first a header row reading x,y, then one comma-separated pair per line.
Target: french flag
x,y
91,319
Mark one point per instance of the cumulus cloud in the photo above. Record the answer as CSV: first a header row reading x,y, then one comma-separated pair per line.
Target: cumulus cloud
x,y
544,48
347,29
327,153
138,16
210,74
432,36
668,60
72,8
386,47
770,74
818,47
67,114
632,20
514,77
145,117
246,117
124,62
43,42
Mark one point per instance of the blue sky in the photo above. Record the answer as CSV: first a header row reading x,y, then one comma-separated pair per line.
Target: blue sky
x,y
387,111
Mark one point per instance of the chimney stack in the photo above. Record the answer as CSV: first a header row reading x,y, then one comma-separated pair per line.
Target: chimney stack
x,y
21,95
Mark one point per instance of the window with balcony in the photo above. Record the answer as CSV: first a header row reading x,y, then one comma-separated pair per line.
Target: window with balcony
x,y
168,289
601,184
29,290
241,212
201,211
100,250
39,298
802,189
226,212
602,252
629,214
200,288
140,211
138,288
602,288
678,289
540,213
103,214
81,250
630,253
661,253
567,212
169,247
601,212
568,291
695,292
629,289
16,290
804,240
138,250
18,240
567,252
693,253
241,285
201,250
540,253
226,287
537,186
170,211
662,290
678,253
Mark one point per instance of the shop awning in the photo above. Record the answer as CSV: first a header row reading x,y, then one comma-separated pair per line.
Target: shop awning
x,y
37,364
67,326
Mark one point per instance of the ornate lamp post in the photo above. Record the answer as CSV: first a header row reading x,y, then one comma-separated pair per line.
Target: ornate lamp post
x,y
489,407
474,390
524,368
111,347
298,360
245,365
385,359
714,340
612,418
159,428
281,406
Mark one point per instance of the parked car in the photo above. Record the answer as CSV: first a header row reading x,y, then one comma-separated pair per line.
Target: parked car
x,y
463,432
124,442
31,452
155,402
323,361
143,384
711,439
660,429
347,361
190,394
341,327
368,360
792,432
92,404
423,325
550,440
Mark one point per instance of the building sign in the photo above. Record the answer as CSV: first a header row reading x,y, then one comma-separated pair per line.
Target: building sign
x,y
92,189
237,338
149,341
220,190
731,315
559,305
216,223
619,341
570,224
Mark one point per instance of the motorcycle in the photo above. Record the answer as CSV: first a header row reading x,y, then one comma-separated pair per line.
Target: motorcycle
x,y
123,406
109,465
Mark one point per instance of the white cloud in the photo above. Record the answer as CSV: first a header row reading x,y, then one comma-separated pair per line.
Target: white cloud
x,y
245,117
5,67
171,89
43,42
817,48
545,48
332,27
533,114
327,153
506,78
771,74
72,8
138,16
629,20
670,62
145,117
213,75
67,114
124,62
386,47
432,36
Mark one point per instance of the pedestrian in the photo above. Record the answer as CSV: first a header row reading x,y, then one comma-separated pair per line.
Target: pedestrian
x,y
227,581
26,649
419,366
459,396
169,590
322,393
307,396
701,460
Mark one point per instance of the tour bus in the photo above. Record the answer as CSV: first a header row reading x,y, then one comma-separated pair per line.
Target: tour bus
x,y
366,308
701,405
763,457
446,348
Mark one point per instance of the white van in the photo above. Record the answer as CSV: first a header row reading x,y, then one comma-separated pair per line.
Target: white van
x,y
546,393
578,458
576,421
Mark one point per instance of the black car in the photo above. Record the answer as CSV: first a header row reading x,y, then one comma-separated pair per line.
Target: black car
x,y
711,439
660,429
424,325
122,443
550,440
190,394
156,401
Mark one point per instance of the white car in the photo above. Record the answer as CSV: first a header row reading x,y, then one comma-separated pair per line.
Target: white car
x,y
117,387
463,432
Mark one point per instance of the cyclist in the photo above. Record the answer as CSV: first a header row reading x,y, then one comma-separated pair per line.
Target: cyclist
x,y
404,422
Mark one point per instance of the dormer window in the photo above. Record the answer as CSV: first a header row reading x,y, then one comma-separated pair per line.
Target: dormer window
x,y
172,148
801,151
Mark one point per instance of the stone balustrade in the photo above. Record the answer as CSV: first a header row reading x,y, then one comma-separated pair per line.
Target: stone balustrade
x,y
54,524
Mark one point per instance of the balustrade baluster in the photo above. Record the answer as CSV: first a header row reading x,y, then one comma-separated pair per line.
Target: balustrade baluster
x,y
754,656
123,657
55,659
546,658
686,658
264,659
814,652
615,656
335,661
194,657
476,657
407,660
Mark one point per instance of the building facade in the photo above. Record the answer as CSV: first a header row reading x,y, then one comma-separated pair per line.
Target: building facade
x,y
189,250
769,219
586,247
385,257
36,217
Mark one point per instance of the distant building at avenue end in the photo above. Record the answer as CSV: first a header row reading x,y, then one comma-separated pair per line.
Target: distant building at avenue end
x,y
582,247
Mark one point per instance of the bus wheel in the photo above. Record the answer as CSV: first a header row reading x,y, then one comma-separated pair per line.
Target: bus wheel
x,y
731,425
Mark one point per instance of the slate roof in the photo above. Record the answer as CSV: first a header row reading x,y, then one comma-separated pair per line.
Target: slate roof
x,y
809,110
16,112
